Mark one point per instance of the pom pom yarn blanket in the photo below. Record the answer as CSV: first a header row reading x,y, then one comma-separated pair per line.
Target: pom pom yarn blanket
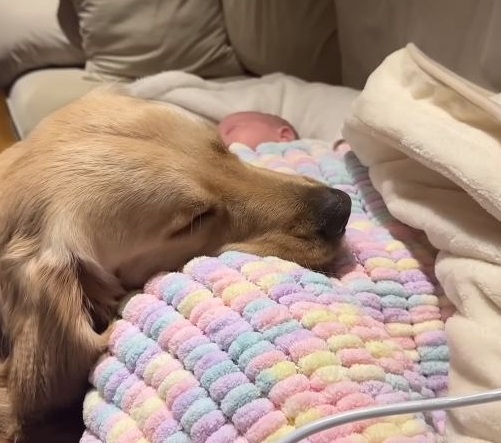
x,y
240,348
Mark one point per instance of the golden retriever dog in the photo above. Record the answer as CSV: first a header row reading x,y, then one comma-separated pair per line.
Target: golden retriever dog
x,y
104,194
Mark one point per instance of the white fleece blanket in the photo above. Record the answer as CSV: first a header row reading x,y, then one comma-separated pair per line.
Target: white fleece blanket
x,y
432,142
316,110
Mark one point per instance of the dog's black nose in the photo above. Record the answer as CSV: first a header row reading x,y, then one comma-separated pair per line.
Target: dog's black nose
x,y
334,208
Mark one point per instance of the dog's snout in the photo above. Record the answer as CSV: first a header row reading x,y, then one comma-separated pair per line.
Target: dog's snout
x,y
334,212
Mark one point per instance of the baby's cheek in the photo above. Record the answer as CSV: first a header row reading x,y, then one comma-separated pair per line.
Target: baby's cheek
x,y
251,136
226,139
229,137
246,136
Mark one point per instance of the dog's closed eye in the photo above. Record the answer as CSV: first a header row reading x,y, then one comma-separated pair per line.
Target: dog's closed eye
x,y
196,222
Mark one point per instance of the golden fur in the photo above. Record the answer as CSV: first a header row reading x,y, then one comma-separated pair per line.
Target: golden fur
x,y
103,194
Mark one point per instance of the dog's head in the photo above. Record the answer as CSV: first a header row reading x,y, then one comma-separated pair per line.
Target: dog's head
x,y
158,174
142,187
222,203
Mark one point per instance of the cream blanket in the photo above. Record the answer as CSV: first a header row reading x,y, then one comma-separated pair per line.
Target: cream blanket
x,y
432,142
316,110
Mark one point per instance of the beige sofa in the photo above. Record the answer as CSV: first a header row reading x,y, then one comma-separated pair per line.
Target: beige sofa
x,y
52,51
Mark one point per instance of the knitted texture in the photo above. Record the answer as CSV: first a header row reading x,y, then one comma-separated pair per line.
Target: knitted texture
x,y
239,348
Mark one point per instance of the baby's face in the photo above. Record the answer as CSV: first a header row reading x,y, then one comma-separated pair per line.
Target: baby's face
x,y
250,129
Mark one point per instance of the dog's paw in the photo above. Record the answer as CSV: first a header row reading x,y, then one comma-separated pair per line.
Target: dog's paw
x,y
106,336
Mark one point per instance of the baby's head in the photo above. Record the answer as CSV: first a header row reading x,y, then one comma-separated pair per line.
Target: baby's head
x,y
254,128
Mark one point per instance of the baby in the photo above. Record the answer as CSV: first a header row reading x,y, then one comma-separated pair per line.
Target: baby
x,y
254,128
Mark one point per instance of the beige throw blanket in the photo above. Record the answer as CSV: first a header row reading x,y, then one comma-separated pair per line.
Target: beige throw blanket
x,y
432,142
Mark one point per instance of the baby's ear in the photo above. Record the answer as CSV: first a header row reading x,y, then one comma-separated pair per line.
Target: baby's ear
x,y
286,134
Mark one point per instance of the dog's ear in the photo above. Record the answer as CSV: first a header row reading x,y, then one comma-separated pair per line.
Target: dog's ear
x,y
53,342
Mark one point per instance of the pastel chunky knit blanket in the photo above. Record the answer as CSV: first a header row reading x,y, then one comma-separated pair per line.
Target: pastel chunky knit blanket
x,y
239,348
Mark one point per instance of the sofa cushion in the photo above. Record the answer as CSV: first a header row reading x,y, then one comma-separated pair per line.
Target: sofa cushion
x,y
462,35
40,92
33,35
131,38
296,37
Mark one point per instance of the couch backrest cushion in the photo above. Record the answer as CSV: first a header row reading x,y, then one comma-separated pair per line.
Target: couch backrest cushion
x,y
297,37
463,35
33,35
131,38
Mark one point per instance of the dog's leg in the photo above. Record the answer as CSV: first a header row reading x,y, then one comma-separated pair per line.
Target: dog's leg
x,y
54,344
6,411
9,426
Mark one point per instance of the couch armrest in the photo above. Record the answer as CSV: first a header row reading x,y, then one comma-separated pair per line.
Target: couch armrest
x,y
35,34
